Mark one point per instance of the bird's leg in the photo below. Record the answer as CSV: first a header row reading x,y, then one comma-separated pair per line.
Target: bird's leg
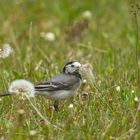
x,y
56,103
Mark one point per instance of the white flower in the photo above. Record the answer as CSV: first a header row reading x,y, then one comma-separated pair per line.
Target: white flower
x,y
49,36
70,106
5,51
136,99
22,87
84,81
132,91
87,14
33,132
118,88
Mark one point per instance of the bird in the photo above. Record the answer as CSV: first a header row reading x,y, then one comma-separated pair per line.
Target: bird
x,y
61,86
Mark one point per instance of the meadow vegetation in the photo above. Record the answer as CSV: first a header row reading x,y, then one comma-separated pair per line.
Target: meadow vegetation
x,y
100,33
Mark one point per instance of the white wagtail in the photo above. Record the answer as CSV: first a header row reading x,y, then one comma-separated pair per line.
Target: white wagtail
x,y
61,86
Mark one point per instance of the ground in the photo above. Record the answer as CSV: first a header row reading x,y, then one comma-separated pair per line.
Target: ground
x,y
99,33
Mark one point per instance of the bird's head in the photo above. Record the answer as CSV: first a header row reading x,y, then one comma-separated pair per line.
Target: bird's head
x,y
72,67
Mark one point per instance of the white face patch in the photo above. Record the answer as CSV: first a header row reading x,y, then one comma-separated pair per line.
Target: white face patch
x,y
73,67
76,64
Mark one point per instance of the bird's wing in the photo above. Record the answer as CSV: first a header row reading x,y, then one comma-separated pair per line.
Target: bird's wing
x,y
60,82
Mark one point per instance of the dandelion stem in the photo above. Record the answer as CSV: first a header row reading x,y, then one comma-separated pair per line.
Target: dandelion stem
x,y
136,47
30,34
38,112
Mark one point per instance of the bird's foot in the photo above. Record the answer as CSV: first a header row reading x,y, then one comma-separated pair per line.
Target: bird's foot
x,y
56,104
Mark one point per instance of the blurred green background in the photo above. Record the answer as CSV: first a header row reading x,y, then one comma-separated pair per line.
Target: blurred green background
x,y
105,38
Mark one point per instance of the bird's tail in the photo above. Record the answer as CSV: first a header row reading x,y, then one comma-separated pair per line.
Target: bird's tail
x,y
5,94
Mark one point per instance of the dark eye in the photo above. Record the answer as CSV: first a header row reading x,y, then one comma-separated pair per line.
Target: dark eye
x,y
72,65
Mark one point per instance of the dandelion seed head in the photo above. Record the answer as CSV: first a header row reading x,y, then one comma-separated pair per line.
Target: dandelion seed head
x,y
22,87
87,70
5,51
2,138
49,36
87,14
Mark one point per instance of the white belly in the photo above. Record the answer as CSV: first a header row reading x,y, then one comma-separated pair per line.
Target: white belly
x,y
57,95
62,94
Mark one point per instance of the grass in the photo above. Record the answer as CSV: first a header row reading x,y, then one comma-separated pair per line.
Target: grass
x,y
107,43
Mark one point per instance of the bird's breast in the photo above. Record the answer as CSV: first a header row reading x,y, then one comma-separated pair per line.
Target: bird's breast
x,y
62,94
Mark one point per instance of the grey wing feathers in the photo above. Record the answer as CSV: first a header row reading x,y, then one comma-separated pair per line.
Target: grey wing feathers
x,y
60,82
